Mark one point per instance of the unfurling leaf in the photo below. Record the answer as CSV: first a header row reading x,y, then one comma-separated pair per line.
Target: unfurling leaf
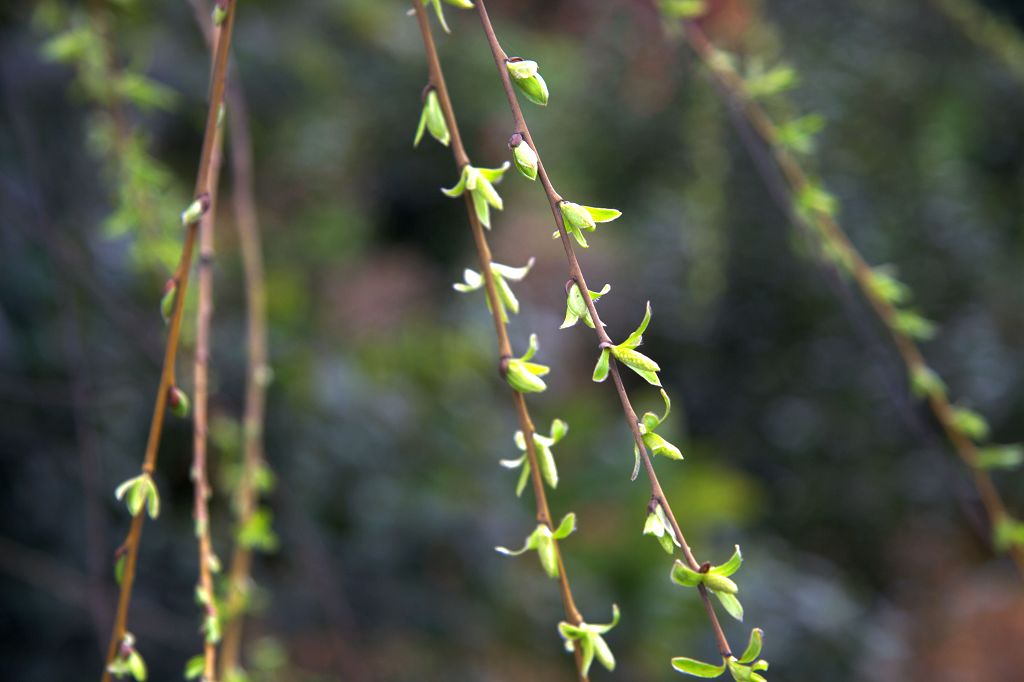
x,y
480,184
925,383
970,423
576,219
590,640
576,307
432,119
525,376
140,492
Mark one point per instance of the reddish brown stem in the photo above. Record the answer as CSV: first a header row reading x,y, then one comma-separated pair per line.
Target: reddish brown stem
x,y
202,187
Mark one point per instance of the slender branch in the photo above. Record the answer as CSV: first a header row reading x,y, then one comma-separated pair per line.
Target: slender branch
x,y
576,274
257,371
130,547
200,433
437,81
732,87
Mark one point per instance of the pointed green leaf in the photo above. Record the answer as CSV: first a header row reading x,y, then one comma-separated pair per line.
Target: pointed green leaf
x,y
566,527
695,668
753,649
601,369
730,603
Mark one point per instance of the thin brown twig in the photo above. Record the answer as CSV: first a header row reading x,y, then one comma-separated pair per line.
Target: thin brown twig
x,y
258,371
732,87
200,432
576,274
130,546
437,81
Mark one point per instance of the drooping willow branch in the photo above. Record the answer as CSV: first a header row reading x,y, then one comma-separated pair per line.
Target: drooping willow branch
x,y
810,204
694,573
257,374
253,474
983,26
121,654
437,85
207,559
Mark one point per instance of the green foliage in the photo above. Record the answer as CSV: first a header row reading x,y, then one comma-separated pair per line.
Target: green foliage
x,y
657,445
545,458
743,669
970,423
137,493
543,540
502,274
716,580
128,662
432,119
525,376
576,307
480,184
524,157
526,76
658,526
627,354
1000,457
591,641
578,219
436,4
258,532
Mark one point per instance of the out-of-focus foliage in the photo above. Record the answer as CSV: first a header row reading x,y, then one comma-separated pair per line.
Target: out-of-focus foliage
x,y
864,554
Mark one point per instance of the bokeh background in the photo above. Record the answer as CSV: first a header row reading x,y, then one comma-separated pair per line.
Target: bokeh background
x,y
866,550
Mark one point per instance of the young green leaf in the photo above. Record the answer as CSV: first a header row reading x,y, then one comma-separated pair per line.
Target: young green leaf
x,y
601,369
576,307
753,649
970,423
432,119
696,668
1000,457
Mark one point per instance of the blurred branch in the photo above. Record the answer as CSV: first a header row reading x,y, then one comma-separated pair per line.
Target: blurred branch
x,y
208,561
820,221
437,82
986,29
658,497
203,187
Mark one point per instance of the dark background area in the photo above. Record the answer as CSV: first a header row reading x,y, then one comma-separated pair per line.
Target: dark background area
x,y
866,550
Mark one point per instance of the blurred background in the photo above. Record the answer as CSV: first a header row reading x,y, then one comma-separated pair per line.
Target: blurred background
x,y
866,550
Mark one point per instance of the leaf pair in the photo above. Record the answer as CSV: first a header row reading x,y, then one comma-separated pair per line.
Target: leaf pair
x,y
479,182
502,274
627,354
576,219
576,307
525,376
543,539
592,644
742,669
545,458
138,492
716,580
